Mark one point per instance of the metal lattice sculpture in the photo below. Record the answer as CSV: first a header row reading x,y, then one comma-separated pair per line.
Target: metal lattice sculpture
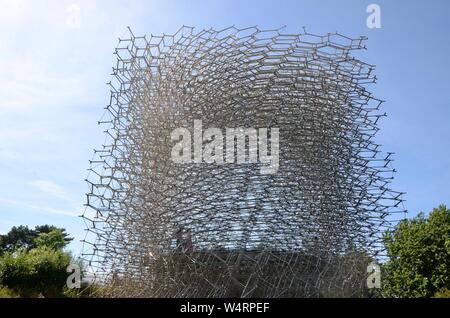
x,y
160,228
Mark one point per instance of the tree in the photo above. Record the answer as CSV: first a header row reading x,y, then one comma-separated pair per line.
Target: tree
x,y
45,229
419,256
54,239
6,293
33,262
17,237
35,272
22,237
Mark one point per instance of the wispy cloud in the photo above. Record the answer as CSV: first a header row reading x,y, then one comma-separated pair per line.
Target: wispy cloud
x,y
29,84
50,188
39,208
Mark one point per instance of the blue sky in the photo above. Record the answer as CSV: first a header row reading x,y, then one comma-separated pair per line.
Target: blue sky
x,y
53,72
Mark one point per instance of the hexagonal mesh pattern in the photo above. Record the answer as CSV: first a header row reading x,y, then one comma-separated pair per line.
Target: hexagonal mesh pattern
x,y
158,228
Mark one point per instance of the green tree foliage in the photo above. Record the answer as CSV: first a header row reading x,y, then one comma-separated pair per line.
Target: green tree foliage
x,y
45,229
419,256
443,293
21,237
53,239
33,262
35,272
6,293
17,237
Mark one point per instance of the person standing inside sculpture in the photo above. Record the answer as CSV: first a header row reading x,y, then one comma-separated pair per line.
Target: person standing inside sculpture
x,y
188,246
184,240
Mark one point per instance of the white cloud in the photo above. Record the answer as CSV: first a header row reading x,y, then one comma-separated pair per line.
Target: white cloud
x,y
39,208
52,91
50,188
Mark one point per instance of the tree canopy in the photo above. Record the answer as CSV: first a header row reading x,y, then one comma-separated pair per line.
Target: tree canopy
x,y
39,271
419,256
33,262
21,237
